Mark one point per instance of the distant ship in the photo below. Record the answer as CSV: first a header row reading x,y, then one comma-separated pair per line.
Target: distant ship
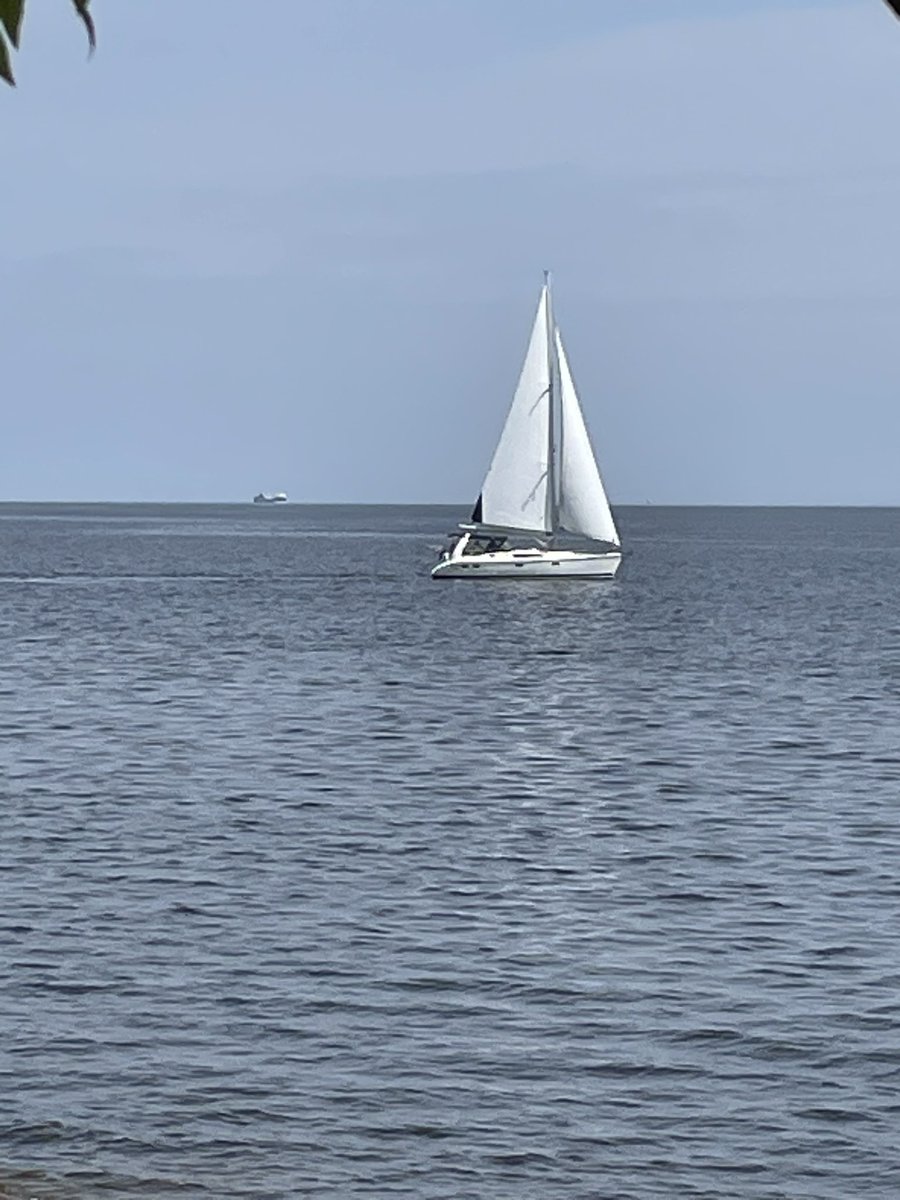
x,y
265,498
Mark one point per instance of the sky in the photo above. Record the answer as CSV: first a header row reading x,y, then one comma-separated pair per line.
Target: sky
x,y
298,246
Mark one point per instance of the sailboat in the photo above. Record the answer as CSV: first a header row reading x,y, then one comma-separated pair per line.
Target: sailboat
x,y
543,487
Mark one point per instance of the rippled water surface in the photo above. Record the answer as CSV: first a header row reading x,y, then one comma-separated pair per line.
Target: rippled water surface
x,y
319,879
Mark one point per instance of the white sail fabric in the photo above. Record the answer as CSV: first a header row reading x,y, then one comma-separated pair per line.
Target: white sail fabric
x,y
515,493
583,506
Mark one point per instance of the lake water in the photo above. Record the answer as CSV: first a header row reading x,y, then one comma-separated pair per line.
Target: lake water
x,y
320,879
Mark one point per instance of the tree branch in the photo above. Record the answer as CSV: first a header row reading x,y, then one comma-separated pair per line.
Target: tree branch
x,y
11,14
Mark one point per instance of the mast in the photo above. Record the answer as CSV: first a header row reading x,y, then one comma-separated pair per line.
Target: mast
x,y
552,466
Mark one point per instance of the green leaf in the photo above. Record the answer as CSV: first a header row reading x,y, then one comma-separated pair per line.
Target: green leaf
x,y
81,7
11,12
5,65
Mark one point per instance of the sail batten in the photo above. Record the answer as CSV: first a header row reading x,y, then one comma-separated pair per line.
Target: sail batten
x,y
515,491
583,505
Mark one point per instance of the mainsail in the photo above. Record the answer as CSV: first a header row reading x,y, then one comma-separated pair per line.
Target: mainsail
x,y
516,490
583,506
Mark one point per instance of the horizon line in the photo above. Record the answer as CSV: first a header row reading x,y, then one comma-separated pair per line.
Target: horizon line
x,y
7,503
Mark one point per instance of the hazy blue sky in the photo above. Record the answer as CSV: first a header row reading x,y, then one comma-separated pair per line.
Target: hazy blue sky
x,y
304,252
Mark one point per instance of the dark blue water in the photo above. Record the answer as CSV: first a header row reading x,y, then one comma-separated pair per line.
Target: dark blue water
x,y
319,879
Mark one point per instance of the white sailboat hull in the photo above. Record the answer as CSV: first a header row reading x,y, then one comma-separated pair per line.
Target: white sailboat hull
x,y
529,564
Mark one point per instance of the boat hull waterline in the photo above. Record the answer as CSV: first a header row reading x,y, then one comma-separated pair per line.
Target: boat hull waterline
x,y
538,564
